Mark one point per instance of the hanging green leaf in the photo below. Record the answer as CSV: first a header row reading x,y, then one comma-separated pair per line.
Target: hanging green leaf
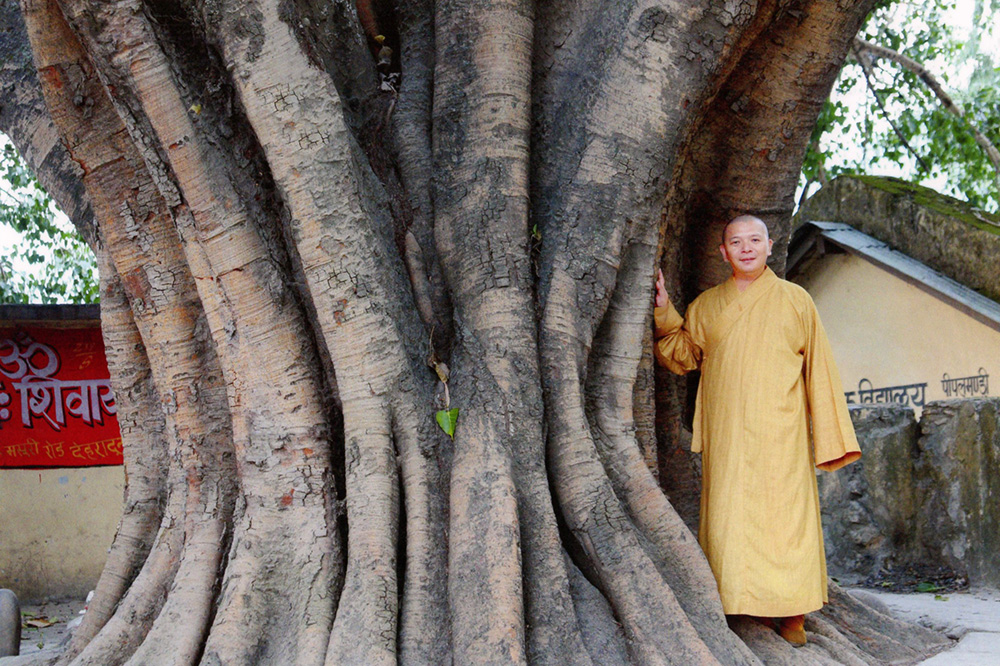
x,y
447,418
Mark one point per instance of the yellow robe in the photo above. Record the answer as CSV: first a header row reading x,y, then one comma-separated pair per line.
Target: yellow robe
x,y
767,373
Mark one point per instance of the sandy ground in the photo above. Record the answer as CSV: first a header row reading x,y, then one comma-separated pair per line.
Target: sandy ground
x,y
970,617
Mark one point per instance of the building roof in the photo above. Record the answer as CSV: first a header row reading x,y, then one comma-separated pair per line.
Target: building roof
x,y
814,239
48,312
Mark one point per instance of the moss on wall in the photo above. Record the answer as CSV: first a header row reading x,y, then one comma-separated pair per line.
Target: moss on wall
x,y
934,200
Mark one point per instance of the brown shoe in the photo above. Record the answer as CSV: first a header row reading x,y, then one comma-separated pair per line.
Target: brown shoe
x,y
792,629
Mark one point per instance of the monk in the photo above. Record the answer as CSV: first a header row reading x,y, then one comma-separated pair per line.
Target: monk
x,y
767,380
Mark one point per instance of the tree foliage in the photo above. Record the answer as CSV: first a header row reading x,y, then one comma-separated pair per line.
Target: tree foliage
x,y
901,128
49,263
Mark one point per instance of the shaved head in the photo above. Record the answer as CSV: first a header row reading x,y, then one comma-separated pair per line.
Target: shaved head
x,y
740,219
746,247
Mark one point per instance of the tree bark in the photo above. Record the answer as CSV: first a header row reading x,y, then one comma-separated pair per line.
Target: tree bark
x,y
310,246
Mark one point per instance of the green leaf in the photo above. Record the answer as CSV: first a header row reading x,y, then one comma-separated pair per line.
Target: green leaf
x,y
447,418
927,587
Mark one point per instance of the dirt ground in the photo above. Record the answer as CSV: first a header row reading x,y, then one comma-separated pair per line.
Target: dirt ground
x,y
916,578
970,615
36,638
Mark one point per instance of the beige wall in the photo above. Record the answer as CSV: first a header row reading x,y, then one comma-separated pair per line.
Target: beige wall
x,y
892,333
55,528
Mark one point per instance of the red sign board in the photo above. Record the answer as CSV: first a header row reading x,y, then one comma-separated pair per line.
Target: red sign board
x,y
57,408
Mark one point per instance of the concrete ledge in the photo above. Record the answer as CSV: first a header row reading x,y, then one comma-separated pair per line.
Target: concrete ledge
x,y
973,617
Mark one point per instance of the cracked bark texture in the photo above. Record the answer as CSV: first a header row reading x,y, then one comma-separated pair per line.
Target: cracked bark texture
x,y
303,259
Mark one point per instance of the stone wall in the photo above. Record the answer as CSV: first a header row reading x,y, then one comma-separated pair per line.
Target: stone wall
x,y
926,494
868,507
958,475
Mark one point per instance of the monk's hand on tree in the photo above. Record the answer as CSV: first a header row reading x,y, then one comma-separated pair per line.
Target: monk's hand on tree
x,y
662,300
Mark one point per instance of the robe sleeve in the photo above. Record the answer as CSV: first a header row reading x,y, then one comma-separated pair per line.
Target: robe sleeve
x,y
675,348
834,441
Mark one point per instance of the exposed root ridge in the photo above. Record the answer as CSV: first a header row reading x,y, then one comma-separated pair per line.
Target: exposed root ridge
x,y
424,636
885,638
133,617
602,634
142,426
615,361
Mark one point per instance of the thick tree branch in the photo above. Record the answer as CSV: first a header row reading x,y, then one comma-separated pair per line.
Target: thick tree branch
x,y
185,369
411,130
482,102
232,252
611,376
26,121
143,430
589,208
321,170
874,51
866,69
747,155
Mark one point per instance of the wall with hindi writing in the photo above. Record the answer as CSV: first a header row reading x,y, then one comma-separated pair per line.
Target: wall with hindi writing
x,y
57,407
61,474
896,343
57,525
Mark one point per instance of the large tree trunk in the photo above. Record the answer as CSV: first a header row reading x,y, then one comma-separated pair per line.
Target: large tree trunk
x,y
300,266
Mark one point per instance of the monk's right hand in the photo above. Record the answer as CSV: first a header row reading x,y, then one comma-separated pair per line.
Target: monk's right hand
x,y
662,300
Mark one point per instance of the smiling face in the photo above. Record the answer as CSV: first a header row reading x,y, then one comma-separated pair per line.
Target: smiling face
x,y
746,247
